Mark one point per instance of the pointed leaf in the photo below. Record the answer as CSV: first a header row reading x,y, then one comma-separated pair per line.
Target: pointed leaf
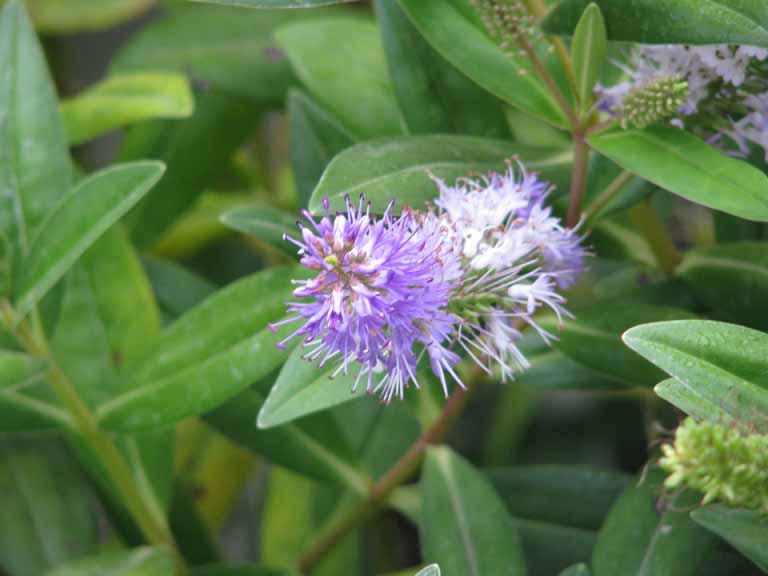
x,y
639,540
78,221
266,223
57,17
302,388
576,570
350,79
124,99
588,50
432,570
745,530
465,527
680,162
399,168
731,279
136,562
671,22
724,364
454,29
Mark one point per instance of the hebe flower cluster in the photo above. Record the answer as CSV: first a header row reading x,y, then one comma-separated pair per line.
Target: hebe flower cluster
x,y
727,90
465,274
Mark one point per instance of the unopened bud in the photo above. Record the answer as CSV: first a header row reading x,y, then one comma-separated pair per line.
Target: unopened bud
x,y
657,100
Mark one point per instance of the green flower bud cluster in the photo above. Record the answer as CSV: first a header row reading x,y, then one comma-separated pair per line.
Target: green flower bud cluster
x,y
506,20
723,463
654,101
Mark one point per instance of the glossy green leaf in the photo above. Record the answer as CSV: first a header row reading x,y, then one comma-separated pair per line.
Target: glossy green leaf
x,y
563,495
58,17
689,401
18,369
79,220
45,507
302,388
125,99
433,95
641,539
222,47
454,29
266,223
724,364
745,530
350,79
671,21
223,121
731,279
680,162
206,356
550,548
35,170
431,570
400,168
316,137
313,447
589,50
593,339
176,288
464,526
576,570
136,562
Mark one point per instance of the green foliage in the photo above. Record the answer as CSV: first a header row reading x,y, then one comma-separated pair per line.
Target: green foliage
x,y
742,529
589,51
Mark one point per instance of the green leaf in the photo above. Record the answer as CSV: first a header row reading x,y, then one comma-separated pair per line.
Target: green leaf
x,y
277,3
549,548
45,507
671,21
315,138
589,50
593,339
135,562
576,570
400,167
464,525
637,539
223,121
563,495
125,99
176,288
54,16
313,447
454,29
348,78
682,163
723,364
433,96
432,570
18,370
553,370
302,388
745,530
77,222
35,170
222,47
266,223
689,401
206,356
229,570
731,279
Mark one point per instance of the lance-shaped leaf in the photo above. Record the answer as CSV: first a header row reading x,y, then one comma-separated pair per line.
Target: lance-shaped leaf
x,y
57,17
576,570
207,356
745,530
589,49
731,279
144,561
639,540
671,21
680,162
464,525
125,99
455,30
400,168
351,78
266,223
724,364
35,170
45,513
78,221
431,570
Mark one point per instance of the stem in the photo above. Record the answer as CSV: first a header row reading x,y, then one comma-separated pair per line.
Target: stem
x,y
146,514
578,178
340,526
607,195
647,221
538,9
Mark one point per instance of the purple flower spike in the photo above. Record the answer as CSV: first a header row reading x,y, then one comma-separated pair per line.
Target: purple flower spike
x,y
380,295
